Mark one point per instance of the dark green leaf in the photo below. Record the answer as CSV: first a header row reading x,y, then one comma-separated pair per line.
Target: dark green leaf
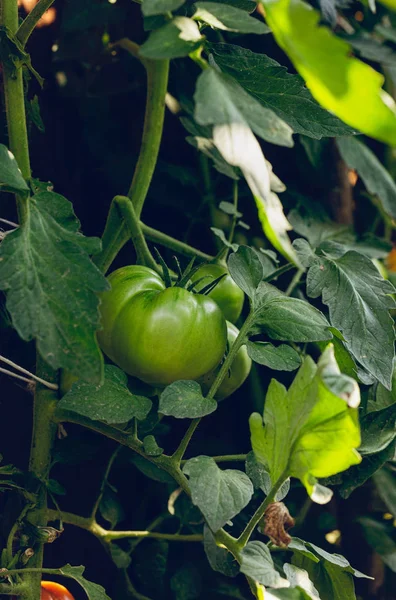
x,y
379,536
330,580
52,286
150,563
158,7
186,583
220,495
111,508
11,179
257,563
246,269
54,487
151,447
121,559
385,481
222,237
184,400
270,83
111,402
378,430
175,39
219,559
279,358
377,179
228,18
92,590
151,470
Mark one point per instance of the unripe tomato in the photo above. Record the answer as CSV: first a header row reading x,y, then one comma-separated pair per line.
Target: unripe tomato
x,y
159,334
240,369
226,293
54,591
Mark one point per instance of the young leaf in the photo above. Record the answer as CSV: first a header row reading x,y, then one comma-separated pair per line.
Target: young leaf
x,y
220,495
343,84
175,39
270,83
151,447
377,179
111,402
52,286
280,358
246,269
228,18
160,7
219,559
184,400
359,300
310,430
92,590
257,563
11,179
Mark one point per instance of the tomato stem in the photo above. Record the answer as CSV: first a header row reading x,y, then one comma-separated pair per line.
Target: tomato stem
x,y
29,23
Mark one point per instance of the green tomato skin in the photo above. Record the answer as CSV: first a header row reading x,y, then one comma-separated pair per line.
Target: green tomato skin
x,y
239,371
226,294
158,334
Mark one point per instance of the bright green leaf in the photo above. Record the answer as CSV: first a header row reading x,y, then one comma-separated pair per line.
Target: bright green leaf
x,y
177,38
111,402
184,400
220,495
228,18
11,179
52,286
279,358
343,84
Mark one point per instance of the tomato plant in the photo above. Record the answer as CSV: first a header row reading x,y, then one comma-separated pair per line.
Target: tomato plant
x,y
231,164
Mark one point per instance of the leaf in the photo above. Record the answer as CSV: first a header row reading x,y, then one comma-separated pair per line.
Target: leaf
x,y
331,581
359,300
288,319
111,402
120,558
151,447
228,18
341,83
257,563
300,578
261,478
376,178
379,536
52,286
186,583
280,358
159,7
151,470
270,83
184,400
310,430
111,508
233,113
378,430
246,269
11,179
177,38
385,482
219,559
92,590
220,495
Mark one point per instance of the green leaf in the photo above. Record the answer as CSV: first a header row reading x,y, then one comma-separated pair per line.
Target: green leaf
x,y
111,508
378,430
184,400
341,83
300,578
151,447
228,18
159,7
379,536
11,179
220,559
261,478
221,102
385,482
270,83
111,402
220,495
376,178
178,38
52,286
359,301
257,563
331,581
310,430
120,558
280,358
186,583
151,470
246,269
288,319
92,590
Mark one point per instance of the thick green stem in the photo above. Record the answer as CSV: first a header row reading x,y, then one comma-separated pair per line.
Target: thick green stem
x,y
294,282
169,242
143,253
157,82
15,106
27,26
12,590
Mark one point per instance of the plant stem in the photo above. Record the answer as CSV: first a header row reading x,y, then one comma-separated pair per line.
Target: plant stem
x,y
169,242
15,107
104,482
27,26
7,361
294,282
251,526
143,253
115,236
278,272
12,590
230,458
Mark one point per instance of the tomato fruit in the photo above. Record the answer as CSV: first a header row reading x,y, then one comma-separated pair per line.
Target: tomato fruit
x,y
226,294
54,591
159,334
239,370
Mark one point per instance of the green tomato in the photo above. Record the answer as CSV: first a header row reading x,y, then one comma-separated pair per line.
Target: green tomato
x,y
226,293
239,371
159,334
